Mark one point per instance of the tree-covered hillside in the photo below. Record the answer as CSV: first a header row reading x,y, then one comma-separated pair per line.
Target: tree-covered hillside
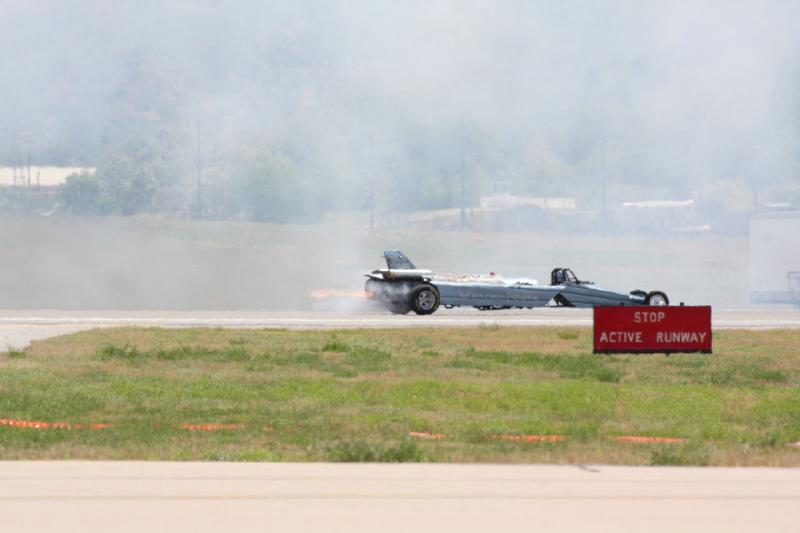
x,y
283,111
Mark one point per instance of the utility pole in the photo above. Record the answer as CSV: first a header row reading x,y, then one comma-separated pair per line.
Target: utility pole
x,y
28,158
198,164
604,177
754,169
12,159
12,142
371,173
20,142
462,171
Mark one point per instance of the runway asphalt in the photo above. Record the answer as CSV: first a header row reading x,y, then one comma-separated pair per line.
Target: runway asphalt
x,y
216,497
19,327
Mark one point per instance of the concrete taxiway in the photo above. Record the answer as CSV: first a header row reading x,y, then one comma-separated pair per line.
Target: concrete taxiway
x,y
213,497
19,328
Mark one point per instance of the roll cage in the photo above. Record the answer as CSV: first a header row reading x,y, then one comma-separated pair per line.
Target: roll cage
x,y
565,276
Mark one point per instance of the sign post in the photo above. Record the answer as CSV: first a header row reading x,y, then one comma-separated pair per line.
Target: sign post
x,y
652,329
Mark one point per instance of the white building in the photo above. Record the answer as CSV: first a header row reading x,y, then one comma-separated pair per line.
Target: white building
x,y
44,176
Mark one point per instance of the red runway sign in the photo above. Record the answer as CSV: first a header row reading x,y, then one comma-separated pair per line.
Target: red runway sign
x,y
640,329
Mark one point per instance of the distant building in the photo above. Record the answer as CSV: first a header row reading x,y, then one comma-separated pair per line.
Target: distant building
x,y
510,201
660,216
508,212
775,258
44,176
659,204
496,212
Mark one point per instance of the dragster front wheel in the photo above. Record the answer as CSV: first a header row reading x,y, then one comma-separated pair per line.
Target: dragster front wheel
x,y
656,298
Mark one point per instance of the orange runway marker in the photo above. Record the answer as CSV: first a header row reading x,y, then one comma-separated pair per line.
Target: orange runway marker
x,y
97,426
423,435
637,439
530,438
48,425
210,427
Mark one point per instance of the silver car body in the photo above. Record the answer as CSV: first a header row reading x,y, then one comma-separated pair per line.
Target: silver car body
x,y
492,295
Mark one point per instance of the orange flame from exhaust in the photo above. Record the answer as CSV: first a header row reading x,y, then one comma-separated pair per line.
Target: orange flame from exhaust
x,y
321,294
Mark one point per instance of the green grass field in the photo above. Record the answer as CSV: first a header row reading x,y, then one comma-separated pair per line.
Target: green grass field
x,y
355,396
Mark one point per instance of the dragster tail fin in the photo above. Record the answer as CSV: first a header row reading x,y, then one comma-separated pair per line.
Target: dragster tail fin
x,y
397,260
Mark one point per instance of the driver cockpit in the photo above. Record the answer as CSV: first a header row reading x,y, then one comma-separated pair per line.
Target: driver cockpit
x,y
563,276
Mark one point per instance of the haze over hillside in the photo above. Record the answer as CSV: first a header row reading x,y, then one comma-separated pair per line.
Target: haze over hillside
x,y
243,154
284,111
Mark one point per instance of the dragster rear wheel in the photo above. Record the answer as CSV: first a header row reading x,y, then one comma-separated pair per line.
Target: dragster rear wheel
x,y
397,308
425,299
656,298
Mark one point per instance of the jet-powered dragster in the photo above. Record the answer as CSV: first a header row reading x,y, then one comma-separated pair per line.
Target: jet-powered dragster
x,y
401,287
